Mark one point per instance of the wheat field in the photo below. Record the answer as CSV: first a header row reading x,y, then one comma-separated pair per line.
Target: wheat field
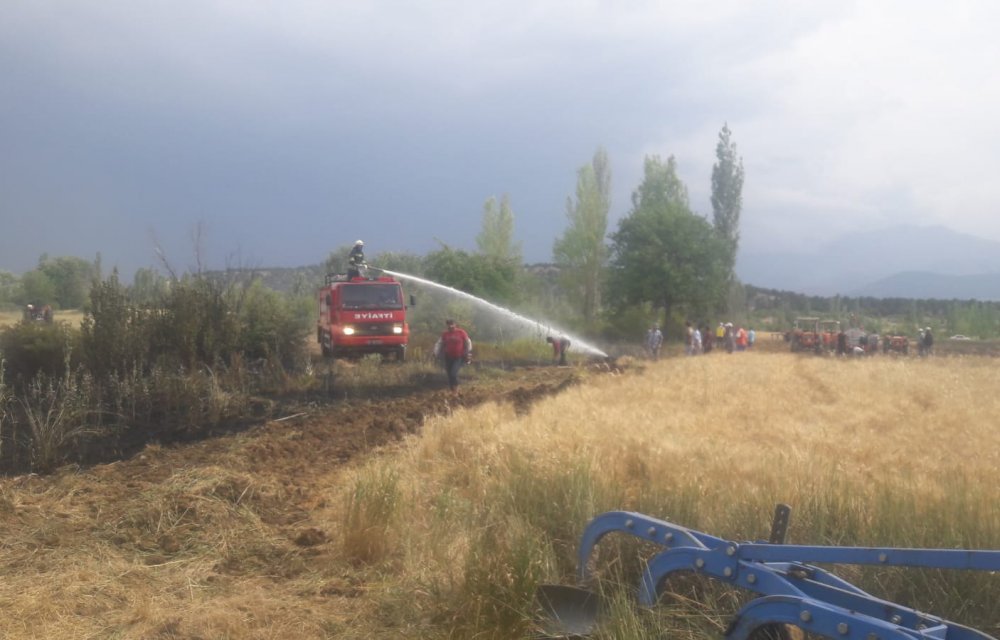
x,y
877,451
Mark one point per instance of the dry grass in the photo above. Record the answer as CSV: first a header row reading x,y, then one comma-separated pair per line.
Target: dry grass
x,y
446,535
775,425
893,452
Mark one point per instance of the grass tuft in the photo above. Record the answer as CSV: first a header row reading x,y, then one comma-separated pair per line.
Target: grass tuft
x,y
372,515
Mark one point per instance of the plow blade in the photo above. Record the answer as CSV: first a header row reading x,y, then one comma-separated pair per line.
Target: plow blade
x,y
567,612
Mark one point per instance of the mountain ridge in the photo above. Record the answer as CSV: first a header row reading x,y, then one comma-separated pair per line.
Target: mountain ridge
x,y
900,261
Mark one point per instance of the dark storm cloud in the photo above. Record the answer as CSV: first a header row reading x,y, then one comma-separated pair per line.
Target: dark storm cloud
x,y
289,129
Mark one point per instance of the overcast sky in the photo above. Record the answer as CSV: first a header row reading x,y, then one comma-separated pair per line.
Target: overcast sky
x,y
287,129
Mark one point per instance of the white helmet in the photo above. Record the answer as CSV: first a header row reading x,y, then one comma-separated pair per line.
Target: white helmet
x,y
359,243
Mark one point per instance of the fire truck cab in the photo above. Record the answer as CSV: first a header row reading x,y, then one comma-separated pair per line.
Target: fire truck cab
x,y
362,315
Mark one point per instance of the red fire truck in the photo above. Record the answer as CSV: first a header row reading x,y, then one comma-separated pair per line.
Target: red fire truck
x,y
362,315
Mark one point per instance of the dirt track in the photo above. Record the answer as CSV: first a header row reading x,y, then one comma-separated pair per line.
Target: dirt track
x,y
341,430
328,434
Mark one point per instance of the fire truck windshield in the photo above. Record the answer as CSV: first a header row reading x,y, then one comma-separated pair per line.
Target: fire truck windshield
x,y
371,296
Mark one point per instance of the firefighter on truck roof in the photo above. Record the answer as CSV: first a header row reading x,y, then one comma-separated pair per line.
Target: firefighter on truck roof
x,y
356,260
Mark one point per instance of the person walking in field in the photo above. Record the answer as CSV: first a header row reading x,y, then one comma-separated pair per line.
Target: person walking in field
x,y
751,338
454,348
654,340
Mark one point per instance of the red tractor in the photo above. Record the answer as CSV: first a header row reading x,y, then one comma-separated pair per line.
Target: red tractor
x,y
805,335
829,330
362,315
895,344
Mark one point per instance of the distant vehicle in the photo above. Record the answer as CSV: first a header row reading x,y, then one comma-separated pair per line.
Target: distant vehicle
x,y
805,335
38,313
829,330
895,344
959,336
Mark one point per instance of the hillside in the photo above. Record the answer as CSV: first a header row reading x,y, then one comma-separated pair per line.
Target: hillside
x,y
914,284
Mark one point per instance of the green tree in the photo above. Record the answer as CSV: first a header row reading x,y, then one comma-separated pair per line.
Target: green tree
x,y
662,253
496,239
148,287
581,251
660,187
336,262
72,278
8,287
727,197
37,288
479,274
409,263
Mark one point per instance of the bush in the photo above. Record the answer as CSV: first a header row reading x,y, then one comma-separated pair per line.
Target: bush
x,y
196,325
30,348
273,326
630,324
58,415
172,368
114,333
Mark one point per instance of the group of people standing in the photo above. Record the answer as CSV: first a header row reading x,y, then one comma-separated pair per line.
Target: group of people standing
x,y
701,339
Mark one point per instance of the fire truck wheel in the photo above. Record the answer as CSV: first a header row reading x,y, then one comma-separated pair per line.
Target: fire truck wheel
x,y
400,354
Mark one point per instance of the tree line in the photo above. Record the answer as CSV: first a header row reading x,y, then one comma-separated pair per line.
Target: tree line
x,y
664,262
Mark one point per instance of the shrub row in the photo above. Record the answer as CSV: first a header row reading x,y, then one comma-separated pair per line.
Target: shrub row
x,y
188,361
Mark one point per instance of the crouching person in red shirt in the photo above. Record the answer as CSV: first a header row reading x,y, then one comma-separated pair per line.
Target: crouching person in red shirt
x,y
455,349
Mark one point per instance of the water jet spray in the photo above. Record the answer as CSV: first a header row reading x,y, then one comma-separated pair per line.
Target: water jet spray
x,y
518,318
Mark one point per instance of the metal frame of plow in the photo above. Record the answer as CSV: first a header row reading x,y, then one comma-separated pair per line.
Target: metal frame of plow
x,y
791,591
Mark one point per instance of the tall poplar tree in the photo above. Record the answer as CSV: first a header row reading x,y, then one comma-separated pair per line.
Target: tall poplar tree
x,y
727,197
496,239
497,269
581,252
